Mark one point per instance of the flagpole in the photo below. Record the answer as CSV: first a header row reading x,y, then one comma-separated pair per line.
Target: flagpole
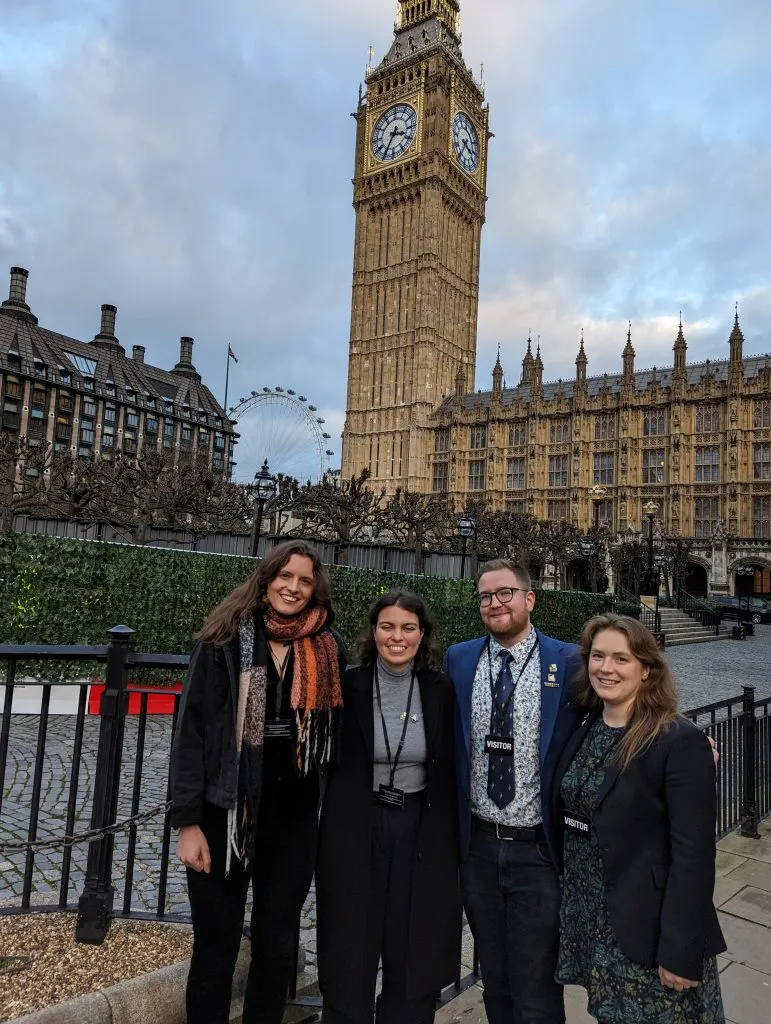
x,y
227,379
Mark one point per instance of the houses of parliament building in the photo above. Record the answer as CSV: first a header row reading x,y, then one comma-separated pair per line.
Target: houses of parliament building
x,y
695,438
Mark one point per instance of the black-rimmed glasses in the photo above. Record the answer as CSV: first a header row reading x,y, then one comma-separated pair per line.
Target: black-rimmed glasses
x,y
504,595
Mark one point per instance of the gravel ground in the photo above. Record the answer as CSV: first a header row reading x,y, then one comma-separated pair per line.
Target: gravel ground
x,y
52,967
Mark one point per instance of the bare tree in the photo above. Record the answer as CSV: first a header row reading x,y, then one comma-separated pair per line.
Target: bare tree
x,y
23,468
341,512
416,521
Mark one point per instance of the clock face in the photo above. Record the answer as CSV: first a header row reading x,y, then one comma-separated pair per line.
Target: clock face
x,y
465,142
394,132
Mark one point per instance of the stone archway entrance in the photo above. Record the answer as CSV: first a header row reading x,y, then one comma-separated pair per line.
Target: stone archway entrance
x,y
696,581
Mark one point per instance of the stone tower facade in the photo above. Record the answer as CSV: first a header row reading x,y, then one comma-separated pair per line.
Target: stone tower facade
x,y
419,196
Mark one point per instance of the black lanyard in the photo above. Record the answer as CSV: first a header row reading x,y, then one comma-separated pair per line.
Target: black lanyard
x,y
499,716
393,766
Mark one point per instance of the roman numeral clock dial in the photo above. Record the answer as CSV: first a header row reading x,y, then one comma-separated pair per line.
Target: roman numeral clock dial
x,y
465,142
394,132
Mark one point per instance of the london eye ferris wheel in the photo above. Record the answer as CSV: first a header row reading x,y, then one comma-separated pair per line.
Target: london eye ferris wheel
x,y
283,427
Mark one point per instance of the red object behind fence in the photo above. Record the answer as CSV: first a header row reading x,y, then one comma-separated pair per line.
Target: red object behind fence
x,y
159,702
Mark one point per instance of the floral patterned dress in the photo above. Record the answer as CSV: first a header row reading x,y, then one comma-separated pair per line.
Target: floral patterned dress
x,y
620,991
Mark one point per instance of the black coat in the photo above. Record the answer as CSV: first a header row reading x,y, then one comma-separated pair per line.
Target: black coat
x,y
204,763
655,824
343,867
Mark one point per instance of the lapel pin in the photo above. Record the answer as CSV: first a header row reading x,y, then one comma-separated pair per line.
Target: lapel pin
x,y
552,668
415,718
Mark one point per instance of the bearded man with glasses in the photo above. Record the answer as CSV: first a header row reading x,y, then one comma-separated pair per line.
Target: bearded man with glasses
x,y
514,715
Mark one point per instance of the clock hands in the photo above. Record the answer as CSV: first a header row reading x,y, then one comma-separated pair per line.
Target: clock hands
x,y
397,131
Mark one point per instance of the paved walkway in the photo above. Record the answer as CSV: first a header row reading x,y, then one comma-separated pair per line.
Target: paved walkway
x,y
743,899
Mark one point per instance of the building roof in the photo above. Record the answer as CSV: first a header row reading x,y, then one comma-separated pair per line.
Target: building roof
x,y
718,369
102,361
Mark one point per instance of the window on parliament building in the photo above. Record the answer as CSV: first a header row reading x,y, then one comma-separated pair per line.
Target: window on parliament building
x,y
653,423
605,427
706,512
476,475
517,508
556,511
603,510
558,471
762,414
518,433
761,518
479,437
707,465
559,431
515,474
762,462
442,440
441,477
604,465
707,419
653,466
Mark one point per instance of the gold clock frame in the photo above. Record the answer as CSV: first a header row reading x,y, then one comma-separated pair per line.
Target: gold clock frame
x,y
414,100
478,176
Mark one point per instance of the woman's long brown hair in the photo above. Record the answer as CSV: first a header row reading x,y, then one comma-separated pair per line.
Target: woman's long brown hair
x,y
655,705
222,624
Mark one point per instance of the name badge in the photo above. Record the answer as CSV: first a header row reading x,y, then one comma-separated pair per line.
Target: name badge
x,y
499,745
578,824
390,795
278,730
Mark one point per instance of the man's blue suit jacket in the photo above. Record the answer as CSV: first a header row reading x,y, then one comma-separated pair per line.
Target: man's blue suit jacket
x,y
560,716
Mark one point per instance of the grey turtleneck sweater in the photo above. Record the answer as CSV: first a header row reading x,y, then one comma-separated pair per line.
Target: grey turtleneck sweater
x,y
394,690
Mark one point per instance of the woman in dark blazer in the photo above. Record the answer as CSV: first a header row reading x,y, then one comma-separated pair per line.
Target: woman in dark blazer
x,y
634,797
387,870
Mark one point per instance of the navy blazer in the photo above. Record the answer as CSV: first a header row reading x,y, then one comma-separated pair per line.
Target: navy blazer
x,y
560,717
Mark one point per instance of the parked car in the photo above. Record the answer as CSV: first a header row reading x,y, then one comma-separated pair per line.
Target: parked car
x,y
756,609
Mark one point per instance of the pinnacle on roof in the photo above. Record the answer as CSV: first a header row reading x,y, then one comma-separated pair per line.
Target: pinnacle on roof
x,y
628,348
538,360
736,333
581,358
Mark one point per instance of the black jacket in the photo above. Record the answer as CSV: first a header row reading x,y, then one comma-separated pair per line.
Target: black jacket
x,y
204,764
343,866
655,824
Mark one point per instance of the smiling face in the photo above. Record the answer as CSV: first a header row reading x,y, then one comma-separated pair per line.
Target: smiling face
x,y
508,622
397,636
291,589
615,673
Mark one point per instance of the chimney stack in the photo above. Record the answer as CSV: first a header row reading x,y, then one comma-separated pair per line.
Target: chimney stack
x,y
185,365
138,353
106,336
16,303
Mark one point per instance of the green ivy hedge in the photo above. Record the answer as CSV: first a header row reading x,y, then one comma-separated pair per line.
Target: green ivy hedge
x,y
71,592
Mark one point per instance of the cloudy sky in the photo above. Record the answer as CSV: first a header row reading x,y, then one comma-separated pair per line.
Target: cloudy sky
x,y
190,162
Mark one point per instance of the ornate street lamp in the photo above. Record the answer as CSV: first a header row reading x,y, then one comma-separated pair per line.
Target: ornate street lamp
x,y
466,528
587,546
650,508
262,490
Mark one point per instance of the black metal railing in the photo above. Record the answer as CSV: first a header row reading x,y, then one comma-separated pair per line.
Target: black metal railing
x,y
699,610
128,792
650,617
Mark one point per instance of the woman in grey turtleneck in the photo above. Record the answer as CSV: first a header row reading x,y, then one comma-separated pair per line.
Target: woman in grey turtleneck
x,y
387,871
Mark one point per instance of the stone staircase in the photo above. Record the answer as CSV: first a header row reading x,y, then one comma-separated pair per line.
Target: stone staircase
x,y
679,628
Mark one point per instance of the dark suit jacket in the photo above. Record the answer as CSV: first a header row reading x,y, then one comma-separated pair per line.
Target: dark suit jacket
x,y
559,718
343,865
655,825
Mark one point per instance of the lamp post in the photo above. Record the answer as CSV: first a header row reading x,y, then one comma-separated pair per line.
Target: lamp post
x,y
744,571
263,489
650,508
466,527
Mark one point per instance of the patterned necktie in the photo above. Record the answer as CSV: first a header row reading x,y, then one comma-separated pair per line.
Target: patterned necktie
x,y
500,773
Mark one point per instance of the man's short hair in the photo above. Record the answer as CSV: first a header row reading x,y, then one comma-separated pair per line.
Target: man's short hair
x,y
520,571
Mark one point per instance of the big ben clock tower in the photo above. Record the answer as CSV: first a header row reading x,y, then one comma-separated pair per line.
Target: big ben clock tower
x,y
419,196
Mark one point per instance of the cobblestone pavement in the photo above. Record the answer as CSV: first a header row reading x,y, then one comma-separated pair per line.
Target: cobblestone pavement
x,y
705,672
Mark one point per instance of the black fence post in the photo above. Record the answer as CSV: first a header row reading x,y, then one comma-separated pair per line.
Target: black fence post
x,y
749,749
95,905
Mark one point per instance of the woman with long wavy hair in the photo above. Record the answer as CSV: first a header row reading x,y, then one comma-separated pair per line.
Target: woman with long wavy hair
x,y
387,874
257,725
634,794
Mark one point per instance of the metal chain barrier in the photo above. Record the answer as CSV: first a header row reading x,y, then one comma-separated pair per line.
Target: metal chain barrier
x,y
85,837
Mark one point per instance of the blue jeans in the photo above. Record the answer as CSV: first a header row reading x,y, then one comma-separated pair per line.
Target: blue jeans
x,y
512,897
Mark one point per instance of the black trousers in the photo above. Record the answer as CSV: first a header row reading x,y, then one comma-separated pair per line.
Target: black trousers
x,y
394,841
281,874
